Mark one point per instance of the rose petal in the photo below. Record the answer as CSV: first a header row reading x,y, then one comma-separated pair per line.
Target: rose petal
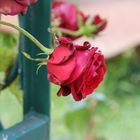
x,y
77,96
61,54
98,20
68,14
94,76
52,78
82,61
63,71
11,7
65,41
64,91
26,2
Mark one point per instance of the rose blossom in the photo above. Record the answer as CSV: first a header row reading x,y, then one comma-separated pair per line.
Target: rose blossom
x,y
78,69
13,7
68,14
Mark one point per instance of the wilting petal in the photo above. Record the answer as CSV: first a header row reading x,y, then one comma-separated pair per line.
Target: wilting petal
x,y
64,91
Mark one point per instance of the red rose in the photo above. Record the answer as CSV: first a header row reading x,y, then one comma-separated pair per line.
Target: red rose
x,y
68,14
101,22
13,7
77,69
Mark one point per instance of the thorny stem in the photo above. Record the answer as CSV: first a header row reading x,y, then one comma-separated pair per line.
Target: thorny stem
x,y
28,35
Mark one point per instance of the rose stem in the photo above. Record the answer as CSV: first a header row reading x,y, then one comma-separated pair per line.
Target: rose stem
x,y
66,31
28,35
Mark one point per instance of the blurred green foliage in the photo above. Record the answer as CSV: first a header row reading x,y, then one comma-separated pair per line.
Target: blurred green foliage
x,y
76,119
8,50
11,97
123,75
11,111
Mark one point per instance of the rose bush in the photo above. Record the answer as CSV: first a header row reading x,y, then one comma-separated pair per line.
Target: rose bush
x,y
13,7
78,69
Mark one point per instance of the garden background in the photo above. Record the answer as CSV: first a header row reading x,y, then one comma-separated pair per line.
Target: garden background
x,y
112,112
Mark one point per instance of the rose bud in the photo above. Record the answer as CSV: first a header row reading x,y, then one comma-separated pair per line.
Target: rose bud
x,y
78,69
101,23
13,7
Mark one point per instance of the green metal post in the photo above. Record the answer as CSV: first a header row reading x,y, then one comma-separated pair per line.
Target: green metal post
x,y
36,87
